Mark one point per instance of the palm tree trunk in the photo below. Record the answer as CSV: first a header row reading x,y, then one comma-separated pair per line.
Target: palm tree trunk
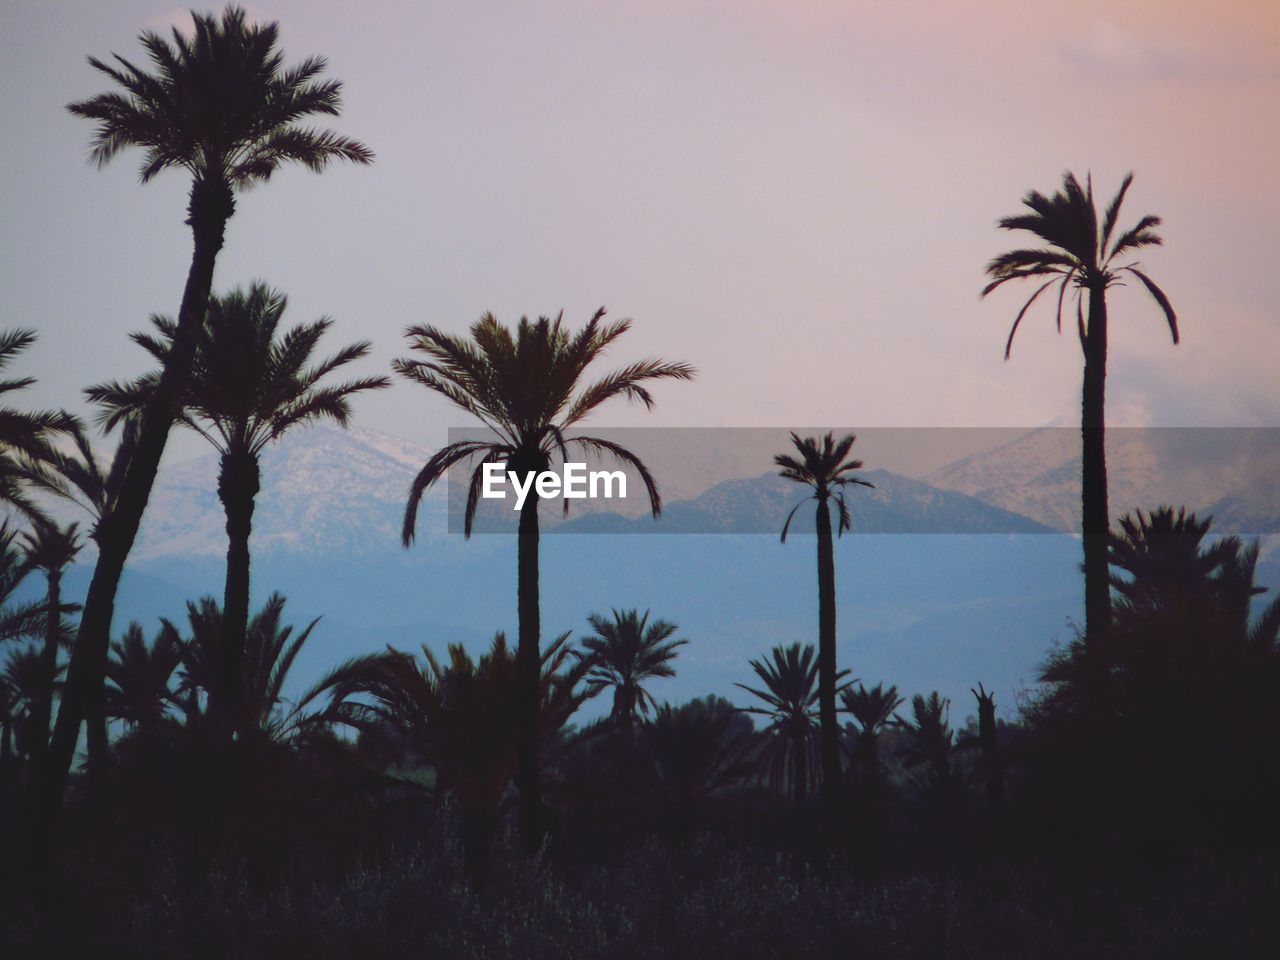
x,y
238,484
1093,480
211,205
829,731
43,711
800,770
528,658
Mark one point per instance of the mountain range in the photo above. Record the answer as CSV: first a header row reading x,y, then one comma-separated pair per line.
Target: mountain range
x,y
977,592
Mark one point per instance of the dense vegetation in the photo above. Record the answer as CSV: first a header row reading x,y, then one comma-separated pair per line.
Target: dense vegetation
x,y
434,802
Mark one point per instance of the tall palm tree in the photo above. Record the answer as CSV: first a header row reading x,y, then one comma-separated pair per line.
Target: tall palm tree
x,y
250,383
822,464
526,386
790,695
1082,254
626,651
26,438
461,716
49,548
222,106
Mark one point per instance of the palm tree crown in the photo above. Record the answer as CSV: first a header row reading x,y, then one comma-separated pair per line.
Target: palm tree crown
x,y
525,385
26,448
248,385
790,697
220,104
821,464
625,651
1077,251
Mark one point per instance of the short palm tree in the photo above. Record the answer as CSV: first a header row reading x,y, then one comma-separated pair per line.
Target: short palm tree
x,y
1087,256
22,681
824,465
250,383
221,105
929,746
700,754
17,620
26,438
790,695
49,548
625,652
526,386
461,716
271,648
139,675
872,710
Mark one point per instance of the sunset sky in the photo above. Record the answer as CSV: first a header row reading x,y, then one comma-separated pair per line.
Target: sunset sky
x,y
799,198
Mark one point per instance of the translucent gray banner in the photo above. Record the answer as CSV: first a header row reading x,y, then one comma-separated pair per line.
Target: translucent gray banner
x,y
922,480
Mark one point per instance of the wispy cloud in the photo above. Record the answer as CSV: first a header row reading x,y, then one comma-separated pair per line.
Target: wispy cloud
x,y
1110,52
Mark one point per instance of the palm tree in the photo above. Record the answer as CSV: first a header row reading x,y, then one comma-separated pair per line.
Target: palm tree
x,y
17,620
49,548
822,465
526,386
929,744
988,743
222,106
140,674
23,682
1080,254
80,476
26,447
790,693
460,716
872,710
249,384
699,752
270,652
626,651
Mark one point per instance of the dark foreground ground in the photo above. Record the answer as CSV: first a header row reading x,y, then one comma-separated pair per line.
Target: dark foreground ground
x,y
700,901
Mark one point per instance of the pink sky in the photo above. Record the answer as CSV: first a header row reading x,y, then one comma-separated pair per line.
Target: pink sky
x,y
797,197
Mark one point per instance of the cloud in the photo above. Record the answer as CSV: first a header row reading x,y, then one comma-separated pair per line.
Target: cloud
x,y
1110,52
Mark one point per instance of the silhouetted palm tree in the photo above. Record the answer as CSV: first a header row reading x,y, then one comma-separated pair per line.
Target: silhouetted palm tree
x,y
222,106
1081,253
526,386
139,675
790,693
250,383
17,620
1185,641
460,716
929,745
270,651
822,465
700,754
988,743
624,652
26,447
872,710
49,548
